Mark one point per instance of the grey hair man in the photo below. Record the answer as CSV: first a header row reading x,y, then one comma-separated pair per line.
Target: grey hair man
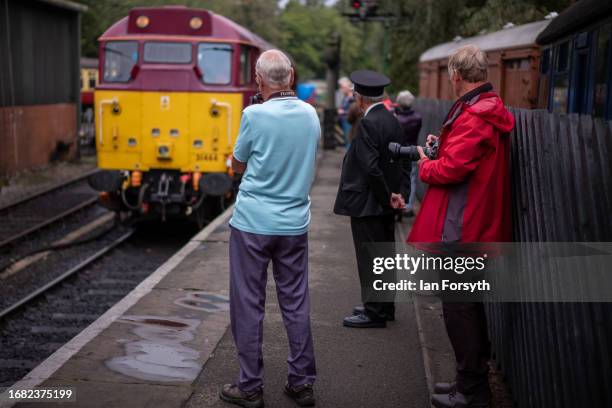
x,y
275,150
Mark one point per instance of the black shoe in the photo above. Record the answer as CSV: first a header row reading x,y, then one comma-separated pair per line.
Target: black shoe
x,y
357,310
232,394
363,321
444,387
456,399
303,395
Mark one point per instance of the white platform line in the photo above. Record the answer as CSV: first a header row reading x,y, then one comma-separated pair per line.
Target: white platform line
x,y
48,367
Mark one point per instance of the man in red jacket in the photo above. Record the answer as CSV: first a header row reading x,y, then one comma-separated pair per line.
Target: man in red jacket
x,y
468,200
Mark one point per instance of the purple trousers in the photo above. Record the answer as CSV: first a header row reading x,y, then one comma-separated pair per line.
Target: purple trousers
x,y
250,255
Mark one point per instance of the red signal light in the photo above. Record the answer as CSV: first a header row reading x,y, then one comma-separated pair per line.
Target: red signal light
x,y
356,4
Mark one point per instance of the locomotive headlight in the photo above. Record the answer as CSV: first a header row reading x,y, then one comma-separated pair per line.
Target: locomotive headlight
x,y
195,23
142,21
163,151
197,144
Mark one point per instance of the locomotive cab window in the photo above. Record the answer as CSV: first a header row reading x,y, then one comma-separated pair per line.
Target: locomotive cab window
x,y
119,59
167,53
245,65
215,62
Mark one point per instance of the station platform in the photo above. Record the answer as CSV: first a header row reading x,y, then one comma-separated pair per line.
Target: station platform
x,y
168,343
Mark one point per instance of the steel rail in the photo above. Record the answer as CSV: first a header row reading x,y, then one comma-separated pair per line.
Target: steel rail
x,y
45,191
47,222
77,268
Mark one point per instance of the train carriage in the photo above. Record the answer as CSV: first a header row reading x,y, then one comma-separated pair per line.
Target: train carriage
x,y
173,84
514,59
575,74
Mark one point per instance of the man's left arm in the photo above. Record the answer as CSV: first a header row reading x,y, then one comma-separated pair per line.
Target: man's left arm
x,y
242,148
465,146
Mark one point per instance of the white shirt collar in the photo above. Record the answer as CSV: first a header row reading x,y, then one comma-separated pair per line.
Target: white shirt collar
x,y
370,108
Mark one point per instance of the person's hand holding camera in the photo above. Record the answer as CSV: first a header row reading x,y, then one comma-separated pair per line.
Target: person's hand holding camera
x,y
397,201
431,140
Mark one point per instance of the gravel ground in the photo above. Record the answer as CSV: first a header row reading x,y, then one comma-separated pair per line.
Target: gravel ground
x,y
32,181
51,234
33,333
53,265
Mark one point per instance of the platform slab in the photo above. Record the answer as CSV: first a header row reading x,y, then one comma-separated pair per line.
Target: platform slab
x,y
185,315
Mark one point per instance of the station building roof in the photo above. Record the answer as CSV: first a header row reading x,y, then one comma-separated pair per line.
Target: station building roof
x,y
508,38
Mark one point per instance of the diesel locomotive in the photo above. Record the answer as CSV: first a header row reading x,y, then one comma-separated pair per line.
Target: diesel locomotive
x,y
173,83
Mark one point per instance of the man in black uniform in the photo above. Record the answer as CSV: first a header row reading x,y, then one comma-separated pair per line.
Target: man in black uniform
x,y
369,190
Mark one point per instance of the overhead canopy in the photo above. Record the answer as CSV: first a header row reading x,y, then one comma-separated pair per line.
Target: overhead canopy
x,y
579,15
514,37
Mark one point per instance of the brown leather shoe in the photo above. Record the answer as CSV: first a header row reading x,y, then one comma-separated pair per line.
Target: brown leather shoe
x,y
232,394
303,395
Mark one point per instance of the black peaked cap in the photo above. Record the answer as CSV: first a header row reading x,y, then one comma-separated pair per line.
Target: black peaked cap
x,y
369,83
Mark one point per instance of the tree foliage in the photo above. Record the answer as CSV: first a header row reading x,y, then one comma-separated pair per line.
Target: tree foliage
x,y
421,24
303,28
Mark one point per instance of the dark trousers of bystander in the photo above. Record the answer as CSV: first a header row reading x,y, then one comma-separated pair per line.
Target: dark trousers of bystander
x,y
368,230
250,255
466,324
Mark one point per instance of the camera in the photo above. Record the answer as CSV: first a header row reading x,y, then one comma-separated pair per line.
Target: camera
x,y
411,153
256,99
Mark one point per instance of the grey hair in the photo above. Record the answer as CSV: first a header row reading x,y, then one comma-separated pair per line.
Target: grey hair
x,y
469,62
274,68
345,81
371,99
405,98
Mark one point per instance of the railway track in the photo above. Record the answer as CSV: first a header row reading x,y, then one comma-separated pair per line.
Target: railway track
x,y
75,269
35,325
37,211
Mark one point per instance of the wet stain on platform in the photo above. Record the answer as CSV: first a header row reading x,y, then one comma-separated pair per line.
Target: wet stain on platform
x,y
204,301
159,353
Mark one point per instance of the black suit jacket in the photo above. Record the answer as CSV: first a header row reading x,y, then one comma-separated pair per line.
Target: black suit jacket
x,y
369,175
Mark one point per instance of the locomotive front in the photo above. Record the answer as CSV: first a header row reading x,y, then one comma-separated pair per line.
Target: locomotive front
x,y
173,83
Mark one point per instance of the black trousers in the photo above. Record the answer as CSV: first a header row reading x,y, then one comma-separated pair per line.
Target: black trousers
x,y
370,230
466,324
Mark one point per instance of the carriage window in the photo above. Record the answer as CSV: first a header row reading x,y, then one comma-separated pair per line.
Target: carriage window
x,y
561,78
167,53
563,57
602,57
543,81
545,62
119,59
215,62
245,65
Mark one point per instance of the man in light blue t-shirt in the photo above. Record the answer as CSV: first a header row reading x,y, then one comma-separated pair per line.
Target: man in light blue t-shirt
x,y
275,151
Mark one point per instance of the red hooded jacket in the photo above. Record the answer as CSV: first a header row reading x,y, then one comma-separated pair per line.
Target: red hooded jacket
x,y
468,198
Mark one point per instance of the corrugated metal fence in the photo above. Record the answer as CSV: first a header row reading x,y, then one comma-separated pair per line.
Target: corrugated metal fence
x,y
553,354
